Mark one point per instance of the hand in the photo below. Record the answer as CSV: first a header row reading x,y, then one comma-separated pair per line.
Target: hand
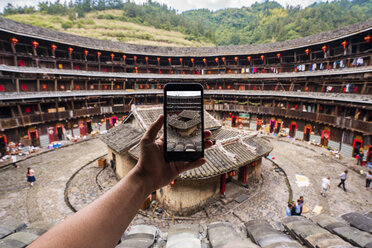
x,y
152,167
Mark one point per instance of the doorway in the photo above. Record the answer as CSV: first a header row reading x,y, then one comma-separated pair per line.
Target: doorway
x,y
357,144
325,137
89,127
259,124
292,130
60,132
34,138
234,121
272,125
307,133
3,143
108,126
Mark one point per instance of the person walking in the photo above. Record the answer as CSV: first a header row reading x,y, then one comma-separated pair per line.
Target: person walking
x,y
14,161
31,176
343,177
326,185
368,179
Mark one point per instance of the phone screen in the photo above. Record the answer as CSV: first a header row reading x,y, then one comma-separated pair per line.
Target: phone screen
x,y
184,123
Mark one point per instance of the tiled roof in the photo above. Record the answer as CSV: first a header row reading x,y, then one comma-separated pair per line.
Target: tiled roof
x,y
189,114
148,114
183,125
122,137
225,133
22,29
219,161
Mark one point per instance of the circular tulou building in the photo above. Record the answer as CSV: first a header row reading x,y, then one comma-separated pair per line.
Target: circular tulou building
x,y
318,88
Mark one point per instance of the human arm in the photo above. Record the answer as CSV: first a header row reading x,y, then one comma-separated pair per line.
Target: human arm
x,y
102,223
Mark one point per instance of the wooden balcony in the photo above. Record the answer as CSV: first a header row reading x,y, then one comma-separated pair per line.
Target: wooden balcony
x,y
340,122
34,119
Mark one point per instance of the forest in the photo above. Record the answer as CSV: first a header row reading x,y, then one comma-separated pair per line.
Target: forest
x,y
262,22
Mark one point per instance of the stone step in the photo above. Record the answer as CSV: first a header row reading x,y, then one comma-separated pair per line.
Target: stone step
x,y
360,221
221,234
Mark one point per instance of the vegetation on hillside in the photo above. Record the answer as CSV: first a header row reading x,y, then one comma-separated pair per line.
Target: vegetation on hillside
x,y
259,23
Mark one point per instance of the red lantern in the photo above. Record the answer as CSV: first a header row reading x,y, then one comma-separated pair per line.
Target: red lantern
x,y
223,59
205,61
14,41
173,183
70,50
112,56
344,44
249,58
124,57
99,54
158,59
54,47
181,60
278,55
216,59
368,38
169,60
86,52
35,44
236,59
262,57
307,51
44,86
136,68
192,60
324,48
135,58
255,88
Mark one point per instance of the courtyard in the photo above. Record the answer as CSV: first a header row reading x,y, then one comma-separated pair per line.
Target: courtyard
x,y
69,178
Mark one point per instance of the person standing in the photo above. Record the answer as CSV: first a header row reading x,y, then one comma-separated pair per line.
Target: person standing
x,y
288,210
368,179
298,207
326,185
343,177
293,209
31,176
360,158
302,203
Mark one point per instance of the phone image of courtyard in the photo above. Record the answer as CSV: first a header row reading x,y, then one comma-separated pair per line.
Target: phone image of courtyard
x,y
184,125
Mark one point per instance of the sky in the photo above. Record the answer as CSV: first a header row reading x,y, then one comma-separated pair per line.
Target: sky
x,y
185,4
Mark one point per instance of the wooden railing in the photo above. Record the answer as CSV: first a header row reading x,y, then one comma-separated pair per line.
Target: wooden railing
x,y
341,122
33,119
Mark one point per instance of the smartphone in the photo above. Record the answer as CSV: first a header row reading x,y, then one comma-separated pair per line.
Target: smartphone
x,y
183,122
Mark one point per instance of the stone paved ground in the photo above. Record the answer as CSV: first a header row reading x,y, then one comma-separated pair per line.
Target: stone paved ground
x,y
267,198
44,201
315,163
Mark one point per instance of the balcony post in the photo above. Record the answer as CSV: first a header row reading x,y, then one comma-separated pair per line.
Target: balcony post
x,y
14,54
364,88
21,114
17,84
55,85
86,85
72,84
41,112
38,84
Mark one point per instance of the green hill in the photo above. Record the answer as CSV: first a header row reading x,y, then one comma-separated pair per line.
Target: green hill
x,y
156,24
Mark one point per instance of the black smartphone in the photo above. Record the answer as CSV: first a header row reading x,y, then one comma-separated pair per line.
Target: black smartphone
x,y
183,122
